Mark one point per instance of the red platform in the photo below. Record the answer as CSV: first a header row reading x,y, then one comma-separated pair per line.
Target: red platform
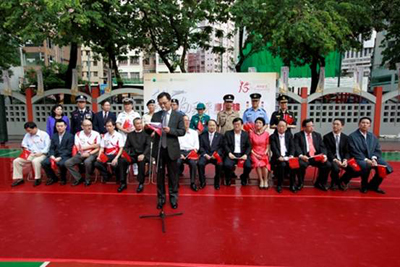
x,y
239,226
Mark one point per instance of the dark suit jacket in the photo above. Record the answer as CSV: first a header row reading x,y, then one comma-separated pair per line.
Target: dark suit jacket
x,y
276,145
177,128
360,149
245,146
63,149
301,145
217,144
137,144
98,121
330,144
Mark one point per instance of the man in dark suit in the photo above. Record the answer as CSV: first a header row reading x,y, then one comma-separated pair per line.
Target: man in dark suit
x,y
282,147
60,150
237,147
167,151
210,142
365,148
101,117
137,145
337,147
307,145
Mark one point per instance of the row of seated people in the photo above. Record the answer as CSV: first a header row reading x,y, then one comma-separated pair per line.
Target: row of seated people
x,y
286,155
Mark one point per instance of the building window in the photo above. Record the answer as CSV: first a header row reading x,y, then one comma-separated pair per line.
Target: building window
x,y
88,53
95,63
134,60
124,75
95,74
135,75
146,61
123,62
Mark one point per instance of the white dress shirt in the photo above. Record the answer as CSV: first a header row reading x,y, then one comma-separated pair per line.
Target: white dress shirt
x,y
189,141
37,143
282,144
237,142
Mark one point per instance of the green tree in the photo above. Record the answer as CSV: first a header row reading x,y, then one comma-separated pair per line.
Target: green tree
x,y
305,31
171,28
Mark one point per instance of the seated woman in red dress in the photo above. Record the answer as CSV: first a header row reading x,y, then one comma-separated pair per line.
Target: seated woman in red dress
x,y
259,139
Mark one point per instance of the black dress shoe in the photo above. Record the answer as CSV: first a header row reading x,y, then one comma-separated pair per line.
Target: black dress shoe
x,y
293,189
139,188
228,183
160,203
77,182
17,182
63,182
50,182
193,187
216,186
202,185
333,187
37,182
300,186
363,190
87,182
380,191
320,187
174,205
121,188
343,186
279,189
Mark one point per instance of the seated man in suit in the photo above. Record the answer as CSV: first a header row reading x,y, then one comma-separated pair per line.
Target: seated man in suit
x,y
365,149
337,146
282,147
138,148
87,143
237,147
210,142
101,117
187,143
307,145
111,146
60,150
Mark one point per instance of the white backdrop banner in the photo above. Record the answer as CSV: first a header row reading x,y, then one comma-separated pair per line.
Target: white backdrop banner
x,y
210,88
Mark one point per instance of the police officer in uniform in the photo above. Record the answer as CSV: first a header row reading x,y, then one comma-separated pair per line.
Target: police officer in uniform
x,y
81,113
226,116
255,111
283,114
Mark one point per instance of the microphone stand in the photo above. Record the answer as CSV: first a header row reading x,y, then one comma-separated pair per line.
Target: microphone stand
x,y
162,215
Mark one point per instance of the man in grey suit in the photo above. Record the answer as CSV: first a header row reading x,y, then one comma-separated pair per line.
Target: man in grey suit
x,y
365,148
167,152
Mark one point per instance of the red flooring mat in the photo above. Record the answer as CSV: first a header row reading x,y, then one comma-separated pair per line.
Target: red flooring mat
x,y
233,226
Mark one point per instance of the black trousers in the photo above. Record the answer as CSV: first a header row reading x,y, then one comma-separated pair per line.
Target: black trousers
x,y
102,167
172,166
203,162
123,166
281,170
230,163
46,165
323,171
192,166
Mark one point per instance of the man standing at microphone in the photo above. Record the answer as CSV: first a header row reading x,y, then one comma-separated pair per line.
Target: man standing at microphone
x,y
167,152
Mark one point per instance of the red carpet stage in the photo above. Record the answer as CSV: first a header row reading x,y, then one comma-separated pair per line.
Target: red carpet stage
x,y
236,226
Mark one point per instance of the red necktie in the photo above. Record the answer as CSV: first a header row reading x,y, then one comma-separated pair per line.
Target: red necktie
x,y
310,145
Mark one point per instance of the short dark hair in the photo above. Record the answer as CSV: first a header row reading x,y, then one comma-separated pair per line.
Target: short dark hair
x,y
260,119
212,120
161,95
341,121
30,125
136,119
304,123
364,118
236,120
53,110
105,101
61,121
110,121
282,121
